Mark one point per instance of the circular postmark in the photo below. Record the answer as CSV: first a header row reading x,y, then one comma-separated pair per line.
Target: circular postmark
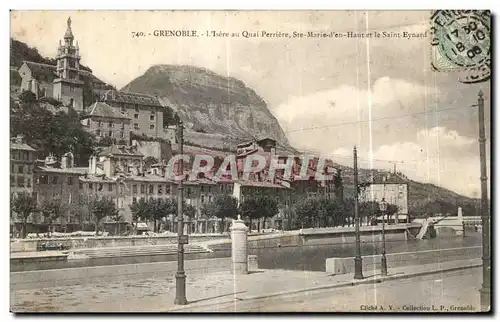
x,y
464,41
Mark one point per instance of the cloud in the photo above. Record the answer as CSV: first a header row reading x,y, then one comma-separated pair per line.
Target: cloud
x,y
428,159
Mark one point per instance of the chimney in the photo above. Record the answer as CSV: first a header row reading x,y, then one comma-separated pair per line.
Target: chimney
x,y
93,169
19,138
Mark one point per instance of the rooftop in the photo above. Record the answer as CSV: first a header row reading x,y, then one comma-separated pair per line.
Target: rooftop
x,y
133,98
20,146
121,150
39,69
76,170
102,109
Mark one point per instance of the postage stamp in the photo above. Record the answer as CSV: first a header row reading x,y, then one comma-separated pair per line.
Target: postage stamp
x,y
460,42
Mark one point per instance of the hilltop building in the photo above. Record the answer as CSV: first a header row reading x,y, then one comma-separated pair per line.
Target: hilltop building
x,y
65,81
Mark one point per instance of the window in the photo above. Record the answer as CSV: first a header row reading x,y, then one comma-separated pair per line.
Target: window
x,y
20,181
151,126
110,187
99,187
134,200
202,198
167,189
151,188
189,191
209,189
110,133
142,188
160,189
123,126
29,170
202,188
72,102
152,117
54,180
98,132
110,124
70,181
72,89
137,107
209,198
28,183
136,126
136,116
80,185
99,123
134,188
121,134
13,168
20,169
91,185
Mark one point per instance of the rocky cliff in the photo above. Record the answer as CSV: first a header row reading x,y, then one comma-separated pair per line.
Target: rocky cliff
x,y
210,103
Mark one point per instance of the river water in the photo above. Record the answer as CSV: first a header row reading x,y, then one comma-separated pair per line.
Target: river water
x,y
306,257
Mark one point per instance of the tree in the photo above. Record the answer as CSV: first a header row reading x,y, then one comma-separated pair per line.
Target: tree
x,y
258,206
224,206
24,204
101,208
368,210
306,210
117,218
141,209
50,132
160,208
52,210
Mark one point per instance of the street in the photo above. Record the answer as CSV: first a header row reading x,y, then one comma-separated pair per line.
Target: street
x,y
450,292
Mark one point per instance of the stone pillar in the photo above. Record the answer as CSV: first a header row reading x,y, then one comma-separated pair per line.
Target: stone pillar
x,y
239,246
460,223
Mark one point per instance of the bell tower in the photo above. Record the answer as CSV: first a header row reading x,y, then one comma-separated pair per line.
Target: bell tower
x,y
68,85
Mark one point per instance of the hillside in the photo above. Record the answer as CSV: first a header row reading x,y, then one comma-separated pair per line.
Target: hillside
x,y
210,103
422,196
19,51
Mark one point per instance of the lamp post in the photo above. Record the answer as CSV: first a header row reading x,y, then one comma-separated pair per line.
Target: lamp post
x,y
485,290
180,276
358,261
383,209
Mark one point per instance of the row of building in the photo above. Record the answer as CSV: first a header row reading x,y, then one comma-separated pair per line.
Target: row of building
x,y
119,171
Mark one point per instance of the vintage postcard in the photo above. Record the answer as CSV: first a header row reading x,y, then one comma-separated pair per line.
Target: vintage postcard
x,y
250,161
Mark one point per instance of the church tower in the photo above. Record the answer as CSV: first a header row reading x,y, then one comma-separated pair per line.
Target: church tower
x,y
68,86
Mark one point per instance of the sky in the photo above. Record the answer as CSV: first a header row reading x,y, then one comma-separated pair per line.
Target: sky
x,y
324,92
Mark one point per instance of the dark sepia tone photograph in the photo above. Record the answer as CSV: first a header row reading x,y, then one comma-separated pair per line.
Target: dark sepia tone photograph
x,y
250,161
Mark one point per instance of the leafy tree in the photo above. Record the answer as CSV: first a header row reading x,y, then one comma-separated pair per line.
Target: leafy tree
x,y
51,132
224,206
101,208
160,208
52,210
258,206
368,210
117,218
24,204
306,211
141,209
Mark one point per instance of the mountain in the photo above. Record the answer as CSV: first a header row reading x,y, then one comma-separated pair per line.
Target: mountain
x,y
210,103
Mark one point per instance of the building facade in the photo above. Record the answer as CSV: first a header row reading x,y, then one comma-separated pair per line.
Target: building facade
x,y
395,193
106,121
145,111
22,165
